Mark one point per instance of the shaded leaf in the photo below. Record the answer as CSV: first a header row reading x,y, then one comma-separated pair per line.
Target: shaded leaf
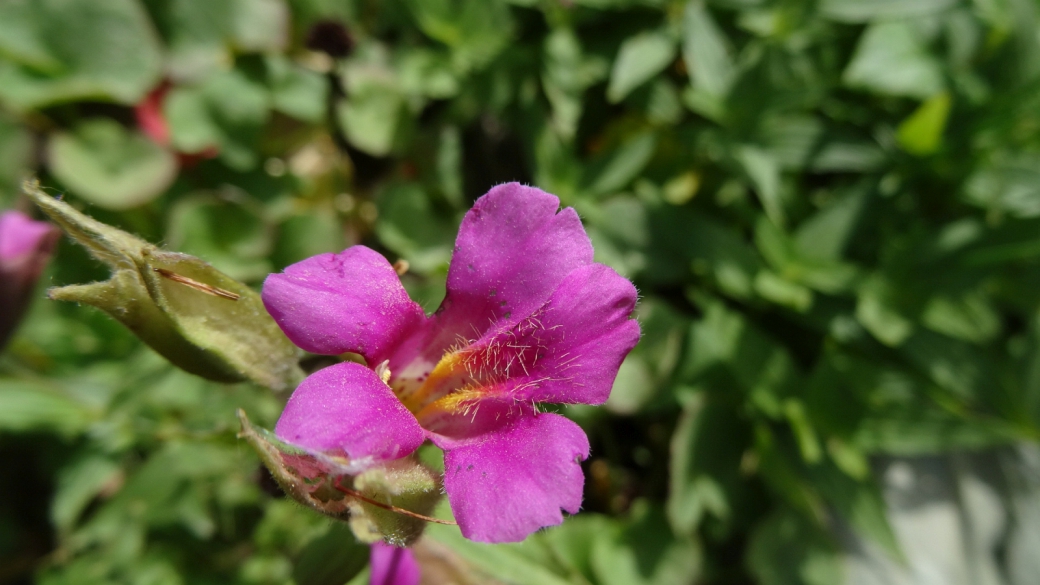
x,y
84,60
110,166
639,59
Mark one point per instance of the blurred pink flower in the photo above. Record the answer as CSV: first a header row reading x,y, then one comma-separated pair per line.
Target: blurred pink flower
x,y
25,248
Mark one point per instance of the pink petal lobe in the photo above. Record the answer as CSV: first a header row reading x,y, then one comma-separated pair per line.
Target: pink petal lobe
x,y
512,251
25,248
351,301
506,484
571,349
568,351
391,565
347,408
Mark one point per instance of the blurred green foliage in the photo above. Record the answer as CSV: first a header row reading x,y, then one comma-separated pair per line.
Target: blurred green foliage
x,y
831,209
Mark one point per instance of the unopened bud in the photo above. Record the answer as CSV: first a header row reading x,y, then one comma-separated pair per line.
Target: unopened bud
x,y
195,316
387,501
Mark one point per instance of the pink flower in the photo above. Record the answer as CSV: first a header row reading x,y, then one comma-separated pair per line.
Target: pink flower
x,y
391,565
25,248
528,318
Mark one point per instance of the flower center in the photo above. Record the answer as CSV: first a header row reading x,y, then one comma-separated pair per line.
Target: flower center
x,y
451,373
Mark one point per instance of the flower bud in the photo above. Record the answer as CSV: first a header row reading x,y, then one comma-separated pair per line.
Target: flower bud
x,y
195,316
25,248
388,501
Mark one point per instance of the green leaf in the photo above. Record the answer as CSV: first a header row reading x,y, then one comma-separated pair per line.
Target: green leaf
x,y
776,289
704,470
16,149
618,167
786,549
225,111
85,60
567,74
649,367
77,485
1010,184
428,73
891,58
921,133
427,245
878,312
331,559
522,563
706,51
970,317
203,35
296,91
639,59
476,30
860,504
229,234
825,235
373,117
110,166
26,407
840,156
449,165
645,552
868,10
764,173
308,234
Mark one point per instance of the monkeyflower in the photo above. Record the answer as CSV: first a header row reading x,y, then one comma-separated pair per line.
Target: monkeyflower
x,y
25,248
528,318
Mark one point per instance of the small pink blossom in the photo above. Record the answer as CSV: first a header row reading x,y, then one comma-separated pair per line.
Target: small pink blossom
x,y
25,248
528,318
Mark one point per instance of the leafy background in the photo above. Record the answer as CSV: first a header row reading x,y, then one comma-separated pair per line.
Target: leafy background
x,y
831,209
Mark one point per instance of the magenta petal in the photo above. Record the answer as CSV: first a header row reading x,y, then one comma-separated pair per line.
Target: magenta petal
x,y
21,236
25,249
347,408
569,350
391,565
512,251
513,481
584,333
351,301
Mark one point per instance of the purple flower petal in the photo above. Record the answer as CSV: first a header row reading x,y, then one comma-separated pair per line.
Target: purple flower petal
x,y
512,251
571,349
347,408
351,301
567,351
20,236
392,565
508,483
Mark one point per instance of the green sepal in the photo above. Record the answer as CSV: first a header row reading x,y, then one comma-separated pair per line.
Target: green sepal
x,y
215,337
312,479
404,483
287,466
125,298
